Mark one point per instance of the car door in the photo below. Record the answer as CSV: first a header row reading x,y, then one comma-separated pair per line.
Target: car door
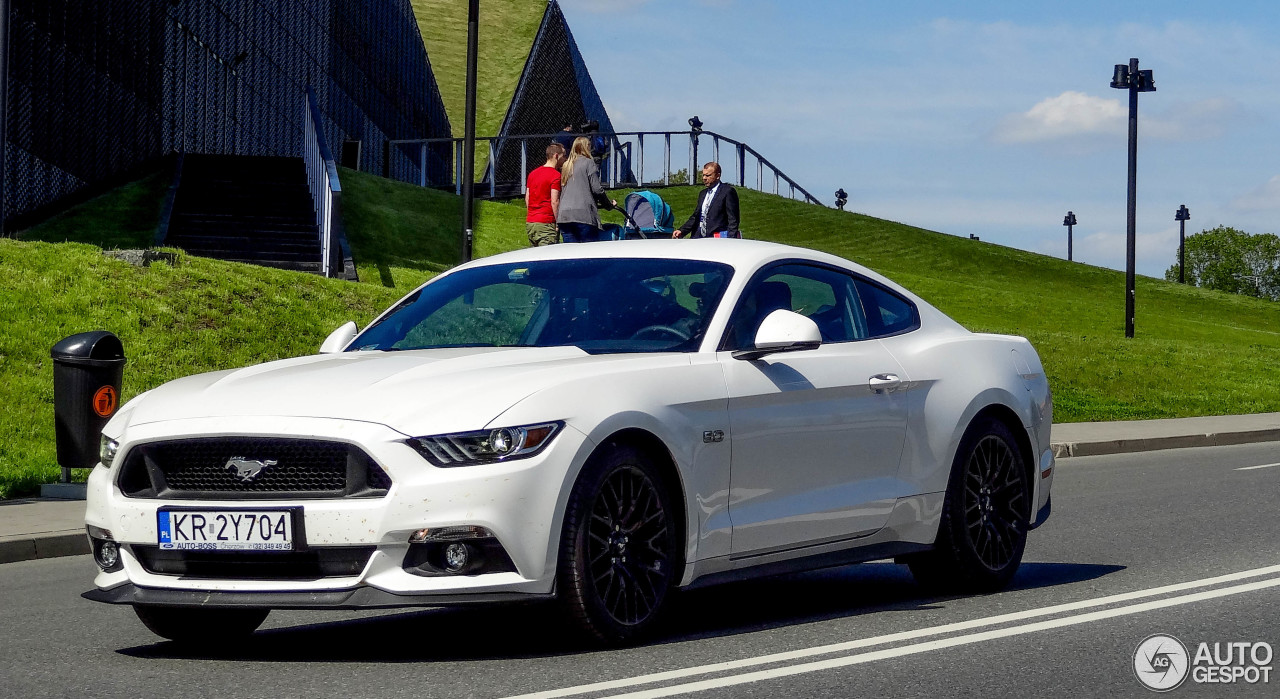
x,y
817,435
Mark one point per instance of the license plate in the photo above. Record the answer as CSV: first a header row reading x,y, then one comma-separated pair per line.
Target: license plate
x,y
226,530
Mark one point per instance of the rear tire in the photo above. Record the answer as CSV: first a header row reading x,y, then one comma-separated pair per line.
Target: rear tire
x,y
620,550
200,627
983,531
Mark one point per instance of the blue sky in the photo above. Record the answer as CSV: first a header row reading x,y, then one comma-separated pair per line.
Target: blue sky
x,y
985,118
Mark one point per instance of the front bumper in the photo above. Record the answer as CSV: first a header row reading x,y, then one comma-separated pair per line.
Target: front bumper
x,y
518,502
357,598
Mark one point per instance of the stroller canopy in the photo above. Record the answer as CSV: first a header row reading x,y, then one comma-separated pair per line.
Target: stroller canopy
x,y
649,213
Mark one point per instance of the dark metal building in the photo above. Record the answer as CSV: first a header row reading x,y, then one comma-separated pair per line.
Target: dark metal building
x,y
99,91
555,90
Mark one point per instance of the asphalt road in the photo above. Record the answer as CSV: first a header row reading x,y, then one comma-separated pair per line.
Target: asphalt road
x,y
1094,585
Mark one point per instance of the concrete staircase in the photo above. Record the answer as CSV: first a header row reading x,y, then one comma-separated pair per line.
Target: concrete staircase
x,y
251,209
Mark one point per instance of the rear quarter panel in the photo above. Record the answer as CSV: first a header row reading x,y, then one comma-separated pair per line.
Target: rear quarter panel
x,y
952,377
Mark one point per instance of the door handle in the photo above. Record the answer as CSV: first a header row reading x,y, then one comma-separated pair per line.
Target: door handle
x,y
881,383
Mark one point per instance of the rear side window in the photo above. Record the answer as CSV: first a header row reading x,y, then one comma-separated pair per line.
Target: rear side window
x,y
887,313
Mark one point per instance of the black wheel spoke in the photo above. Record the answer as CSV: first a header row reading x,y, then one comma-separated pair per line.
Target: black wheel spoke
x,y
628,546
993,502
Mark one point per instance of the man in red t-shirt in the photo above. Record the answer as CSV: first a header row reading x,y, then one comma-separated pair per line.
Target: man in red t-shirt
x,y
542,198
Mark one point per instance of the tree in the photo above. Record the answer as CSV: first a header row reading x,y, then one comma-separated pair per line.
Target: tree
x,y
1232,260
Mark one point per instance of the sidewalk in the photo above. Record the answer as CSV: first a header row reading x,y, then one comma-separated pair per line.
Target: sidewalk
x,y
46,528
41,529
1095,438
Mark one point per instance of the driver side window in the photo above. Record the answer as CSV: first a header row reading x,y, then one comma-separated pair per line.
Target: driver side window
x,y
822,295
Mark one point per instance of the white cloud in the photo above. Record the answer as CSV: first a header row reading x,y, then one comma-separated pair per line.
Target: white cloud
x,y
1073,115
1264,198
1067,115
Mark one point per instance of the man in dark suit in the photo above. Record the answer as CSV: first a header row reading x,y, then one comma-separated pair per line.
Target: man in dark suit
x,y
716,213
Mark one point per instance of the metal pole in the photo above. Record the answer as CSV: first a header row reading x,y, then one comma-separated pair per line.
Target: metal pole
x,y
524,165
422,164
1069,227
1131,235
742,165
493,168
693,163
469,133
457,167
640,157
1182,250
666,162
4,112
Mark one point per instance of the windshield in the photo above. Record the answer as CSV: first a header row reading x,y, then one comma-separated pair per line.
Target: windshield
x,y
599,305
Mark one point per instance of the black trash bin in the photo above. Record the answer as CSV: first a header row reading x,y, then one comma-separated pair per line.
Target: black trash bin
x,y
87,372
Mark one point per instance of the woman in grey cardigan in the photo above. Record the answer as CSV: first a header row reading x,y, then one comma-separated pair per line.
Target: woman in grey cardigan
x,y
580,194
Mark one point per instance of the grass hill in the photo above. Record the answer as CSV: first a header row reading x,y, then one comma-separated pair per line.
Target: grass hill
x,y
203,314
506,31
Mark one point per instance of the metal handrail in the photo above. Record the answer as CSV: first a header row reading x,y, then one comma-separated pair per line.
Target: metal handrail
x,y
619,159
322,180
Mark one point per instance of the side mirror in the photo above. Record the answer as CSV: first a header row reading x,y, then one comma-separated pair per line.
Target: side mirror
x,y
339,338
783,331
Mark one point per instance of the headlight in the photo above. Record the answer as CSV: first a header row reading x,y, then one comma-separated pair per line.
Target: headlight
x,y
107,449
486,446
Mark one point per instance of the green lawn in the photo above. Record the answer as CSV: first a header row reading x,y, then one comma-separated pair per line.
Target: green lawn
x,y
506,31
204,315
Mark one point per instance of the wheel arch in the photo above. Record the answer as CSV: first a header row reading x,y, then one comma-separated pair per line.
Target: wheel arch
x,y
665,462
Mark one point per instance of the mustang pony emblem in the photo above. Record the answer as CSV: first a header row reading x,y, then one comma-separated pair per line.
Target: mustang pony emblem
x,y
248,470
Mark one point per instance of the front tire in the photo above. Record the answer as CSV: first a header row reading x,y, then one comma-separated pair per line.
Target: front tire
x,y
983,531
619,554
200,627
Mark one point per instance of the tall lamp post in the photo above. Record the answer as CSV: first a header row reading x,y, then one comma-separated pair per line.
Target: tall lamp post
x,y
1182,215
1069,221
469,135
1128,77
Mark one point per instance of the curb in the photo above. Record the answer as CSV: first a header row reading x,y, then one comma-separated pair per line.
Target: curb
x,y
44,546
1062,450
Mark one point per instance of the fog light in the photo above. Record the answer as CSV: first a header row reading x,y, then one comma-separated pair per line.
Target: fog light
x,y
456,557
108,554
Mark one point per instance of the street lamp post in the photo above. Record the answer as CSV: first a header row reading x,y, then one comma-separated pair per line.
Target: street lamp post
x,y
1069,221
1128,77
1182,215
469,135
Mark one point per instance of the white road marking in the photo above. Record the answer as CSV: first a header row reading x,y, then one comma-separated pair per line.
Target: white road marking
x,y
926,646
1251,468
893,637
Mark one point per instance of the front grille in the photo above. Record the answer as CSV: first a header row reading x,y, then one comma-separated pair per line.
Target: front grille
x,y
329,562
247,468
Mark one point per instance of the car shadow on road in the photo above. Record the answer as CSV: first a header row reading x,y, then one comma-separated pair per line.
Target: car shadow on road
x,y
539,630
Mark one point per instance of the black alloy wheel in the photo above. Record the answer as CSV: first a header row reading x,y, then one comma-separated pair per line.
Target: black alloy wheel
x,y
983,529
995,502
619,554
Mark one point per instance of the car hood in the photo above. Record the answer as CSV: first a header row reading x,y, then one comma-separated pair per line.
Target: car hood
x,y
413,392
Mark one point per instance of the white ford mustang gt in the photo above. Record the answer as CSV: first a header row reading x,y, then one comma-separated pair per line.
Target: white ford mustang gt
x,y
601,423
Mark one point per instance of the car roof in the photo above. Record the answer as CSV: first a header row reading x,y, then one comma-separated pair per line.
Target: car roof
x,y
740,254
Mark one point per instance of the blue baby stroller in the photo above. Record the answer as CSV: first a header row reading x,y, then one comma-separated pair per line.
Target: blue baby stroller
x,y
647,215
